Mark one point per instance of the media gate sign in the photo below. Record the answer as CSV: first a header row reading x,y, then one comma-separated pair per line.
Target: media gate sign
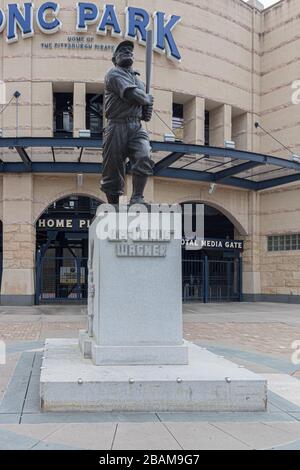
x,y
20,19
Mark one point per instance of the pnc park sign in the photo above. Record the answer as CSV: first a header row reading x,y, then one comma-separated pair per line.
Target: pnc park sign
x,y
24,20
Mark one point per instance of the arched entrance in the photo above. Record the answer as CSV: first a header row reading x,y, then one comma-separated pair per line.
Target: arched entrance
x,y
62,250
214,272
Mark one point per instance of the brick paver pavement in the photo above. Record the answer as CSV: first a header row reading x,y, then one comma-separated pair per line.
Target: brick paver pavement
x,y
262,329
266,337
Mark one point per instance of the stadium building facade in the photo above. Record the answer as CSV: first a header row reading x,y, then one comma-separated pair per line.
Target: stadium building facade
x,y
220,66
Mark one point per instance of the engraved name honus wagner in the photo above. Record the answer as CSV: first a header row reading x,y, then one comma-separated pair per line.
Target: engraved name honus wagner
x,y
141,250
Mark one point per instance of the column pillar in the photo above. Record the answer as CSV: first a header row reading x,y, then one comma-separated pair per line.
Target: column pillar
x,y
19,242
220,126
194,121
251,258
242,131
42,115
79,108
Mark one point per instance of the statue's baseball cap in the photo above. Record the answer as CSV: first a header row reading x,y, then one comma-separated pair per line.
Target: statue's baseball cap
x,y
120,46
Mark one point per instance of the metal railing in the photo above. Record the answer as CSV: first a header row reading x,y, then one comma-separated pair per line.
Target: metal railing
x,y
205,280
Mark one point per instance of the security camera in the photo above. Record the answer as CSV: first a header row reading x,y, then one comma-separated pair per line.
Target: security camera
x,y
17,94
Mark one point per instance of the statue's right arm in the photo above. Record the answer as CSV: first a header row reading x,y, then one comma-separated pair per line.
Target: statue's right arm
x,y
138,96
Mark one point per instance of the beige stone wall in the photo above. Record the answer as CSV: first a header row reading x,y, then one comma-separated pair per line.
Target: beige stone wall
x,y
18,236
280,67
280,208
50,188
24,199
280,215
278,272
251,256
233,203
37,192
220,63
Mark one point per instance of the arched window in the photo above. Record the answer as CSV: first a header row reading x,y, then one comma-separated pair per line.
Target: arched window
x,y
62,250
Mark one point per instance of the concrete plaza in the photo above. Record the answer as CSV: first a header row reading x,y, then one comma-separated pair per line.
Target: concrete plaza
x,y
257,336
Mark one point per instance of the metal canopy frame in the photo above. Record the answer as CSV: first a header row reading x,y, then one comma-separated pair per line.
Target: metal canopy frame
x,y
228,172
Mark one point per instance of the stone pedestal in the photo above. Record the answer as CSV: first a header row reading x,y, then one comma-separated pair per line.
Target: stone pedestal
x,y
135,306
133,357
208,383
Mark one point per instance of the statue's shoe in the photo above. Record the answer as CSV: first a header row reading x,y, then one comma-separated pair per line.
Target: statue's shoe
x,y
138,200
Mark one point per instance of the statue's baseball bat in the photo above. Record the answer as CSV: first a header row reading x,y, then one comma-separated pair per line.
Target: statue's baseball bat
x,y
149,60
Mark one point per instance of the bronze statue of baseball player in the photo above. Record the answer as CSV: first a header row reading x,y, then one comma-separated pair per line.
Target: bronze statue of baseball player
x,y
126,105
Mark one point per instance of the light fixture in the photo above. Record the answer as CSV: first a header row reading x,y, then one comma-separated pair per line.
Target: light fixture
x,y
85,133
212,188
169,137
229,144
295,158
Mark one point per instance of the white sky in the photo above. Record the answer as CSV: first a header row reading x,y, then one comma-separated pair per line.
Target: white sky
x,y
267,3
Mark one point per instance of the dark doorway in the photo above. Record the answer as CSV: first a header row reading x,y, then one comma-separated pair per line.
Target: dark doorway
x,y
62,250
212,275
